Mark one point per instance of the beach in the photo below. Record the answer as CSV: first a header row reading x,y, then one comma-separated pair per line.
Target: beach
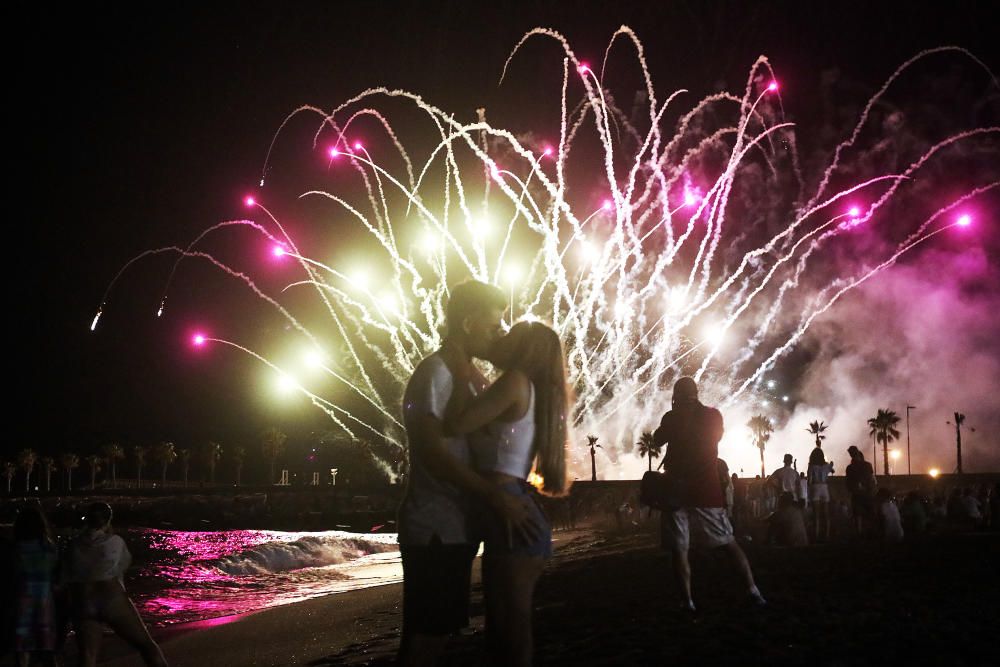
x,y
607,599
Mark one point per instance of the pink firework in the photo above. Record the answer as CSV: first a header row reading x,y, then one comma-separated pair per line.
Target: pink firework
x,y
773,86
249,201
278,251
333,152
198,339
964,220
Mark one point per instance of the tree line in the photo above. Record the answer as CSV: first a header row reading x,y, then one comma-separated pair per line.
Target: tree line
x,y
159,458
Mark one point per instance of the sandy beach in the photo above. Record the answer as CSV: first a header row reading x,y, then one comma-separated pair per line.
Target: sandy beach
x,y
607,600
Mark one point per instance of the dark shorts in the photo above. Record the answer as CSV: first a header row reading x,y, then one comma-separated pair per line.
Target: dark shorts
x,y
862,505
502,542
436,582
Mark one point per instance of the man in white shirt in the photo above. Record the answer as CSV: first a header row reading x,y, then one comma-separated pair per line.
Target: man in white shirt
x,y
436,540
785,479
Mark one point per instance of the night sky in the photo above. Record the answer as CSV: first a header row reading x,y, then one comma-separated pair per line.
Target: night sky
x,y
135,128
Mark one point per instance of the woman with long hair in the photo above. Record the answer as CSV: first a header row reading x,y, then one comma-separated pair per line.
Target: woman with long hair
x,y
518,425
98,560
819,492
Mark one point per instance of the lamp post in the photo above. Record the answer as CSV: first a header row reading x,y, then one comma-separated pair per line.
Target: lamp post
x,y
909,470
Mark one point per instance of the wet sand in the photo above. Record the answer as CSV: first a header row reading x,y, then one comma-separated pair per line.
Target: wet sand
x,y
608,600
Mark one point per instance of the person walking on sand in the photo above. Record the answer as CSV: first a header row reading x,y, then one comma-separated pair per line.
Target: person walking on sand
x,y
516,426
437,539
692,431
97,563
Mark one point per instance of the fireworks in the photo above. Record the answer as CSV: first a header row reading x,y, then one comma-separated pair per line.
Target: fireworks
x,y
654,252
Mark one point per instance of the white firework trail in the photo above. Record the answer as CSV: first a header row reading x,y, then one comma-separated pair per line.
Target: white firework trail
x,y
658,281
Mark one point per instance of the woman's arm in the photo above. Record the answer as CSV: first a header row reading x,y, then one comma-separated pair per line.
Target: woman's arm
x,y
466,413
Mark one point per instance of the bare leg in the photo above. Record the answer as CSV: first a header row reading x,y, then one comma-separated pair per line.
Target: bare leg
x,y
682,574
512,588
743,567
822,521
88,638
121,615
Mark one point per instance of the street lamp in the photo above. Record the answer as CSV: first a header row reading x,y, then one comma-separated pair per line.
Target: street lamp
x,y
512,275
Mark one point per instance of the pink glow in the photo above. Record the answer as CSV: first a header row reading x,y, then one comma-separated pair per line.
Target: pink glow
x,y
358,146
692,193
854,212
773,86
607,205
333,152
198,339
547,151
583,68
249,201
278,251
964,220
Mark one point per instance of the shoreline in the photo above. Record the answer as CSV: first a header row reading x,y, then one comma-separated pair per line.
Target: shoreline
x,y
607,599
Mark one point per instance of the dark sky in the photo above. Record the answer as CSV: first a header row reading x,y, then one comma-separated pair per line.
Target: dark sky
x,y
134,128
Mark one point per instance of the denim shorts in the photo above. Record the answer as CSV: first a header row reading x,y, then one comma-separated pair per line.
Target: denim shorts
x,y
503,542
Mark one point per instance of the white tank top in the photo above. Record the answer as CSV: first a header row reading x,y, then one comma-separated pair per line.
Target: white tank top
x,y
506,447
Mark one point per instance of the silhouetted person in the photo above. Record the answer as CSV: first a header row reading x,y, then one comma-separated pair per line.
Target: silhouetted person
x,y
692,432
913,514
97,563
819,492
787,526
437,538
860,481
35,565
890,524
785,479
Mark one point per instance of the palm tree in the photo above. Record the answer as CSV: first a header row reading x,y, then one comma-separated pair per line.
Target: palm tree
x,y
648,448
959,423
68,462
816,428
592,443
762,429
239,456
48,464
272,444
113,452
185,457
94,463
9,470
26,459
139,454
883,429
211,452
164,453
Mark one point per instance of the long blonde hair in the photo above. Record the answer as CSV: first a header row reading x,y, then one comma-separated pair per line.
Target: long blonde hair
x,y
539,355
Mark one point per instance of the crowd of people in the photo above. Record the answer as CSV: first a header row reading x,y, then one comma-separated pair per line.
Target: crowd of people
x,y
472,446
799,509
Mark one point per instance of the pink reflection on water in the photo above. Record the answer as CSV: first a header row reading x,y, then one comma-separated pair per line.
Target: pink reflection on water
x,y
191,576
